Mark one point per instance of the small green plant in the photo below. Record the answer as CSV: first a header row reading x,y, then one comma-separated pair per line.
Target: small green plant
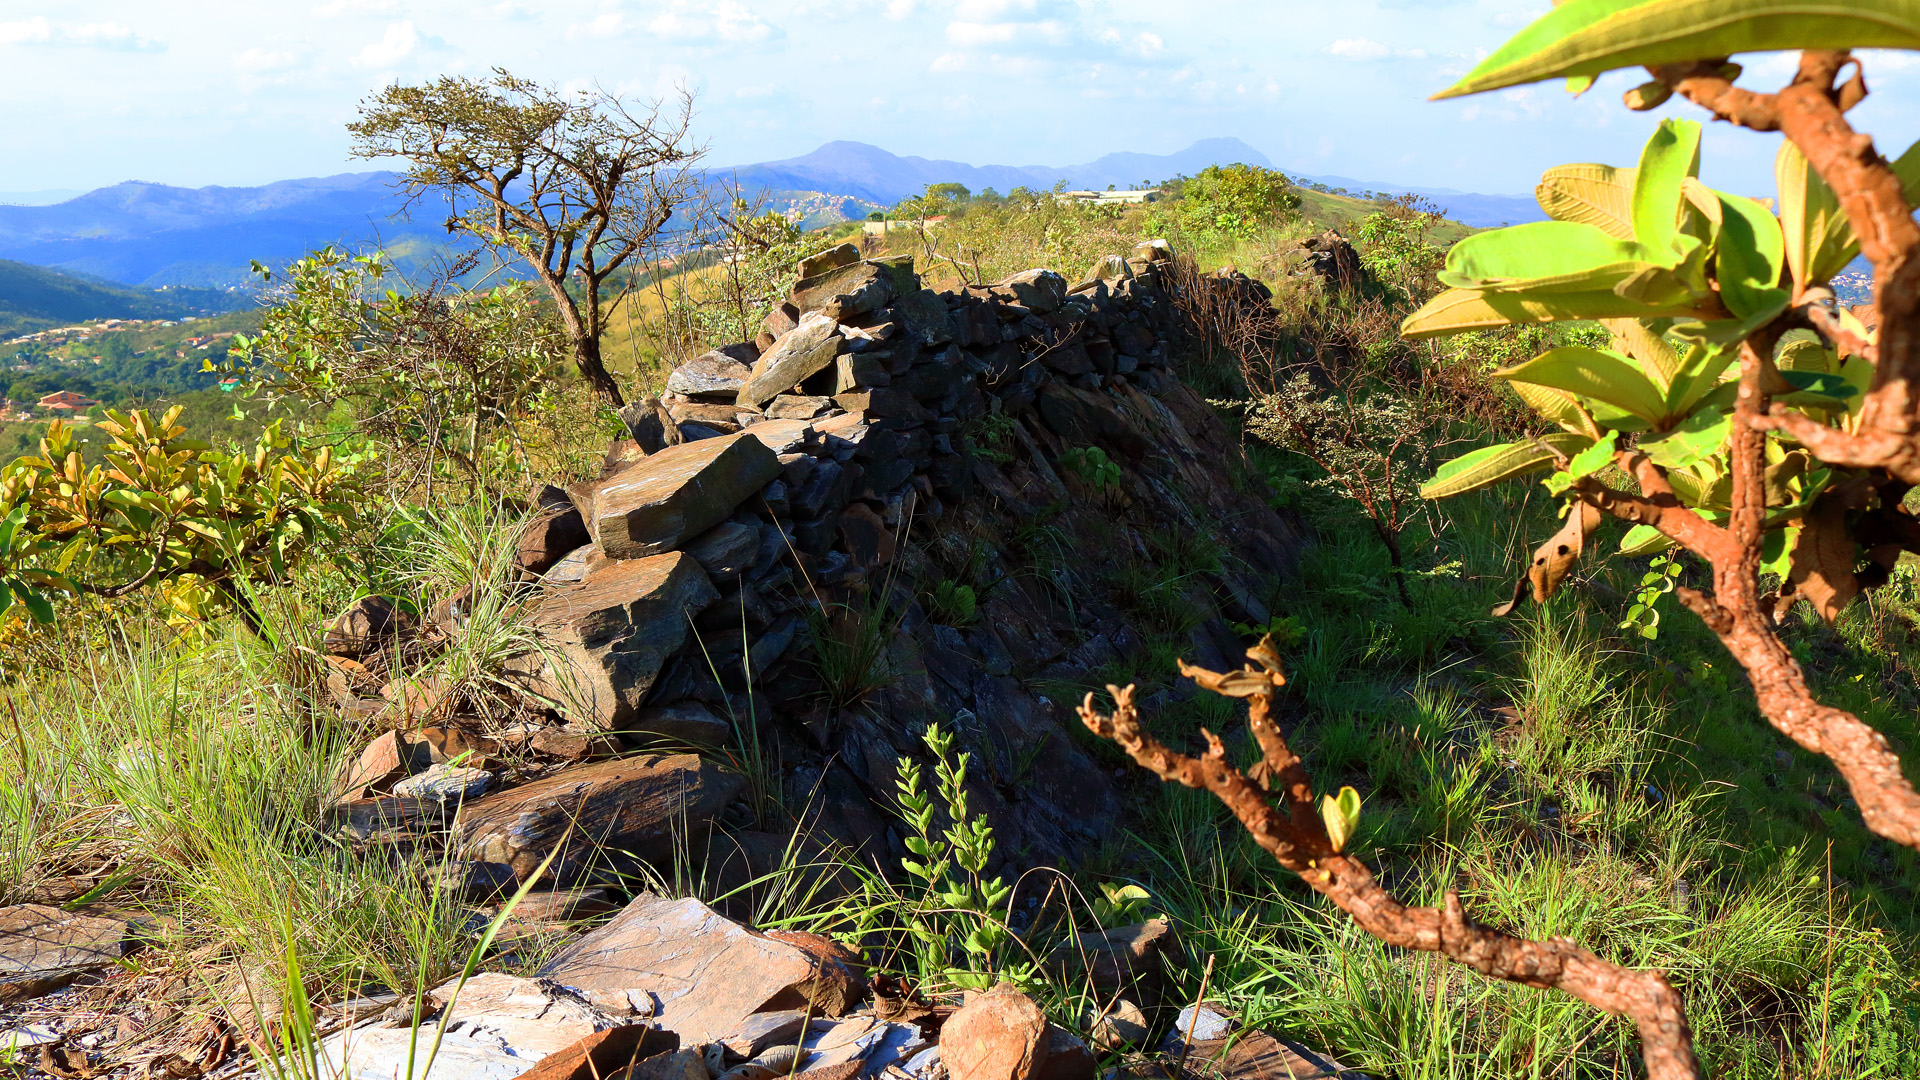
x,y
1285,630
992,437
958,924
953,604
1643,617
1093,467
1121,904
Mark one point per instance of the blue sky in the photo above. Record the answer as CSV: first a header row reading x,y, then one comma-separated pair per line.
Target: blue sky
x,y
97,91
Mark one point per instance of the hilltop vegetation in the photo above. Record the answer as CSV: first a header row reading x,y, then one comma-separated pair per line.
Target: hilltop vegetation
x,y
35,298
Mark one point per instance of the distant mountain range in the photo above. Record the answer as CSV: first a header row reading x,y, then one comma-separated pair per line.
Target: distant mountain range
x,y
34,298
152,235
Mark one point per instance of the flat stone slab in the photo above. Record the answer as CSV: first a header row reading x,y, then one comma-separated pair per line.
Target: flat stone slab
x,y
720,373
602,816
802,352
607,638
678,493
43,948
706,973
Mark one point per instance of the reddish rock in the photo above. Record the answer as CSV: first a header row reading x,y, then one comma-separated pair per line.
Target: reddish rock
x,y
551,536
999,1035
678,493
364,627
44,948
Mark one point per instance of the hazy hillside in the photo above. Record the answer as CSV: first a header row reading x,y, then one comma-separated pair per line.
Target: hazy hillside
x,y
33,298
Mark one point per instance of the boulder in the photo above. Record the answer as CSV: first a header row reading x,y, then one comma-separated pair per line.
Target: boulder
x,y
724,418
726,550
783,436
363,627
687,723
1130,960
830,259
706,973
1039,291
678,493
798,406
806,350
551,536
446,784
44,948
605,1053
603,816
387,758
845,291
998,1035
607,637
651,429
718,374
924,319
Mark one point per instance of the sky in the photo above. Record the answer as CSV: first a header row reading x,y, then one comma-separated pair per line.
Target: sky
x,y
192,92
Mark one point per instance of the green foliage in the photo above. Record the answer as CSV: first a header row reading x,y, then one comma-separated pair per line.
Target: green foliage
x,y
1643,617
1581,39
1396,246
958,920
443,381
165,508
992,437
1094,468
1233,202
952,603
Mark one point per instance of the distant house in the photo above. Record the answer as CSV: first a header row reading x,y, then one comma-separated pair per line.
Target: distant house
x,y
1107,198
882,228
67,401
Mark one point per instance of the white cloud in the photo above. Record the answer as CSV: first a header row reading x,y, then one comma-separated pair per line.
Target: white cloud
x,y
400,39
612,24
40,30
711,20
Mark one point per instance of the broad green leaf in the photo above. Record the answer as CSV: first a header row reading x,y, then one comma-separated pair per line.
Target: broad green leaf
x,y
1590,373
37,606
1558,406
1699,372
1458,310
1669,158
1644,540
1698,436
1748,257
1593,458
1818,239
1542,257
1588,37
1491,464
1641,339
1806,354
1819,389
1597,195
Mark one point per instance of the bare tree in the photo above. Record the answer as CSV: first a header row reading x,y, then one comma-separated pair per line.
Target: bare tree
x,y
576,184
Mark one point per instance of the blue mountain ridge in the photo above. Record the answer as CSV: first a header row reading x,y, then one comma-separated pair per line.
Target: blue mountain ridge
x,y
150,235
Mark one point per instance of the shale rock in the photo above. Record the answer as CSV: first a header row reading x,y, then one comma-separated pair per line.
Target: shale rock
x,y
999,1035
806,350
678,493
43,948
363,627
718,374
633,808
707,973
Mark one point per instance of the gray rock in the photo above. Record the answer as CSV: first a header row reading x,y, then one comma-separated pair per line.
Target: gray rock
x,y
678,493
445,783
726,550
651,428
602,816
809,348
717,374
844,292
605,639
1040,291
784,436
1201,1023
686,723
43,948
798,407
830,259
924,319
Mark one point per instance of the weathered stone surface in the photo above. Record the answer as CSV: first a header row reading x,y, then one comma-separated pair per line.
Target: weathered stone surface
x,y
349,681
498,1028
1127,959
43,948
924,319
386,759
798,407
685,1064
680,492
1040,291
652,430
1068,1058
830,259
999,1035
608,636
778,323
685,723
445,783
604,1053
550,537
1153,251
845,291
726,550
724,418
783,436
707,973
1118,1026
891,402
856,370
809,348
718,374
1257,1055
364,626
602,815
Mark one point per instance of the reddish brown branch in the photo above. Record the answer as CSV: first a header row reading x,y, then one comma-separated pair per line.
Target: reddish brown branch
x,y
1299,841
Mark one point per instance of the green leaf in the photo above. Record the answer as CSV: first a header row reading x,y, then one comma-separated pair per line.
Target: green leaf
x,y
1818,239
1597,195
1593,458
1748,257
1818,389
37,606
1669,158
1542,257
1698,436
1591,373
1459,310
1644,540
1491,464
1342,816
1588,37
